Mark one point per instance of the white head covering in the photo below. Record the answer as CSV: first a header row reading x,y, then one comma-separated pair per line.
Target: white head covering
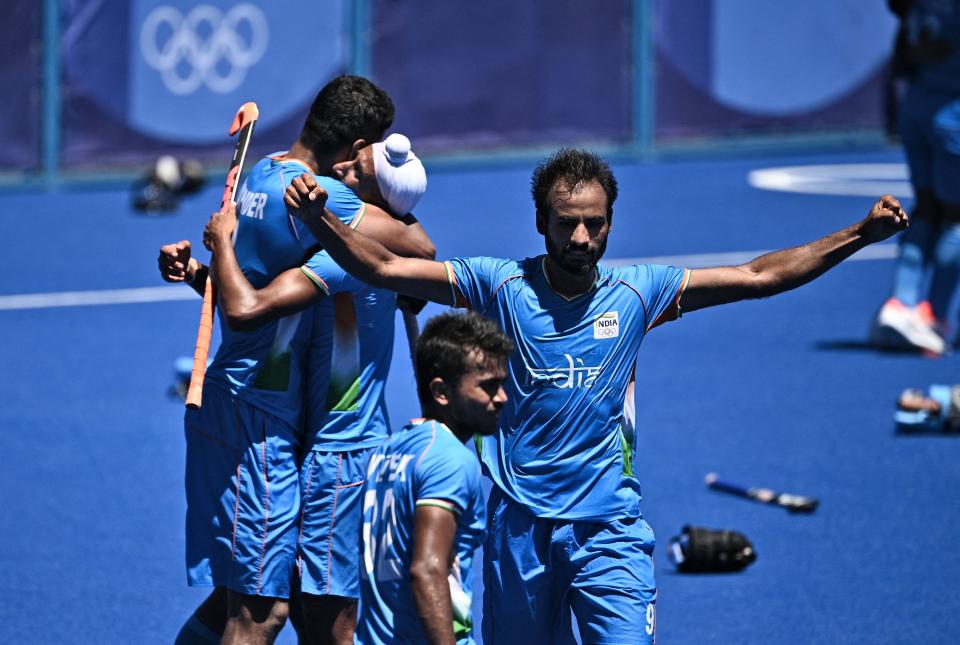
x,y
400,175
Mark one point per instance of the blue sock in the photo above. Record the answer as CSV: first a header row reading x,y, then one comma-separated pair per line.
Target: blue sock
x,y
195,632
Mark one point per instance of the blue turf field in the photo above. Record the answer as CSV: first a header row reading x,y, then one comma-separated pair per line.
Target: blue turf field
x,y
779,393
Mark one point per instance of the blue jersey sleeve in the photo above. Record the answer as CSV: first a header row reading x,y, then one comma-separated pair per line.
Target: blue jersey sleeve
x,y
448,478
474,281
341,201
660,288
328,276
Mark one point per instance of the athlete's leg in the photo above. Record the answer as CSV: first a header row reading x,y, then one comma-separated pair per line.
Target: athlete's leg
x,y
946,273
916,244
296,612
205,625
523,596
253,620
331,515
329,620
946,185
613,594
916,249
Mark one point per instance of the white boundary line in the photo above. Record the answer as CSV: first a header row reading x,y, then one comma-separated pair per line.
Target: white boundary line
x,y
864,180
182,292
104,297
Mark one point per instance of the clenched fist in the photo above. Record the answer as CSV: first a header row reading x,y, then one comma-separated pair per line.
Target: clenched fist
x,y
304,198
885,218
175,263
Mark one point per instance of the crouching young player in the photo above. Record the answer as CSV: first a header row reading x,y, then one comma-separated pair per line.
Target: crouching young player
x,y
422,501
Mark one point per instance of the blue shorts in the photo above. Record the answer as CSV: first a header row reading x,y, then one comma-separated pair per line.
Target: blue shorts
x,y
243,497
930,131
537,570
331,484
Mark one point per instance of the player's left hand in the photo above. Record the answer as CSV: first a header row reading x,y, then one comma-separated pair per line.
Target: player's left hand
x,y
219,230
305,198
885,218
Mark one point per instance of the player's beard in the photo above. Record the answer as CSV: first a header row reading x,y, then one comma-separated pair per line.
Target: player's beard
x,y
576,263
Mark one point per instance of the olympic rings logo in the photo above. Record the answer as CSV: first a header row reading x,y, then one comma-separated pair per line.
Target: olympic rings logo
x,y
203,47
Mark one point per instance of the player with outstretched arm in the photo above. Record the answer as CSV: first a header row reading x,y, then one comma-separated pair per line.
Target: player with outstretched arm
x,y
565,526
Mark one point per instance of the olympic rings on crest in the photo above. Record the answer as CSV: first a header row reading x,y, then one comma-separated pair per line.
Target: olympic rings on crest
x,y
204,47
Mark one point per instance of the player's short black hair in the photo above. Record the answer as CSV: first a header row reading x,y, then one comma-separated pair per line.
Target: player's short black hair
x,y
346,109
572,167
446,342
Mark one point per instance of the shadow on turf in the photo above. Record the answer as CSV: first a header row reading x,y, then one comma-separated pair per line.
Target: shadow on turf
x,y
909,434
861,345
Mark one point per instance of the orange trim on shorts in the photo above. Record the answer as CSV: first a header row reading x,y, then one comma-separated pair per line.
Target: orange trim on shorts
x,y
236,514
236,496
266,508
303,514
333,517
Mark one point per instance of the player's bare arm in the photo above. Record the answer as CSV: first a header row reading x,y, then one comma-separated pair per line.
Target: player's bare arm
x,y
362,256
401,235
787,269
177,265
434,530
245,307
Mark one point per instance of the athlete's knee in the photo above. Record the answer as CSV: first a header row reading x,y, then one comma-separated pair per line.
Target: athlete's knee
x,y
329,619
260,613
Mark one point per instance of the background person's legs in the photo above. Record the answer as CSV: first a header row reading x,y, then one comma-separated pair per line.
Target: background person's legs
x,y
946,185
900,323
946,275
910,278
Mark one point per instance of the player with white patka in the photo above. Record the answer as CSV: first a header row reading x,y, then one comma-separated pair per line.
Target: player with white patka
x,y
565,527
244,445
347,353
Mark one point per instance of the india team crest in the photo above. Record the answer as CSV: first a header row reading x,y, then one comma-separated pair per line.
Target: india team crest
x,y
606,326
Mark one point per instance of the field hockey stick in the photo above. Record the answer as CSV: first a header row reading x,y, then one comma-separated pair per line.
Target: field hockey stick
x,y
243,123
793,503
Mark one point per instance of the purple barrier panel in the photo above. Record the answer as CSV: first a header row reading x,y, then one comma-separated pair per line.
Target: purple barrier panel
x,y
504,73
151,77
726,68
20,112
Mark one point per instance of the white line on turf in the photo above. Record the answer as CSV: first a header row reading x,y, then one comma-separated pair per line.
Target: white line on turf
x,y
865,180
181,292
103,297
